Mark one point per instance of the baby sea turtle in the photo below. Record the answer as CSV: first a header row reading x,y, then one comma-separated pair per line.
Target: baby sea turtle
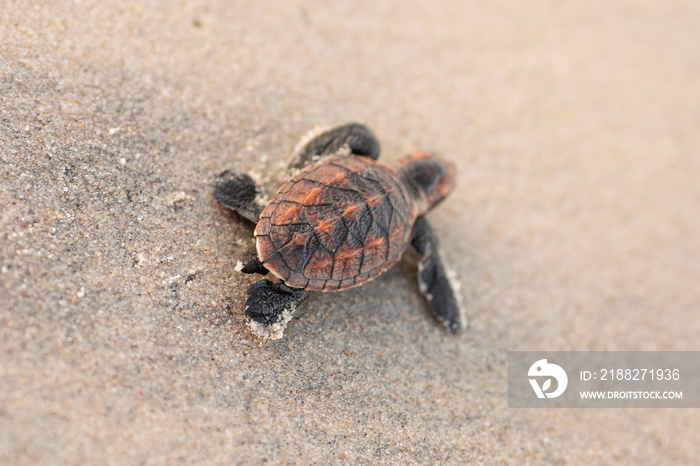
x,y
340,221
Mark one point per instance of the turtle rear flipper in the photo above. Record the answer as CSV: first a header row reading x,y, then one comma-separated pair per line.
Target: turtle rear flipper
x,y
356,137
270,306
433,282
239,193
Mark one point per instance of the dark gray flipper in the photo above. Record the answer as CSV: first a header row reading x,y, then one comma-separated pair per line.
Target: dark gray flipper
x,y
253,265
357,137
270,306
432,279
238,192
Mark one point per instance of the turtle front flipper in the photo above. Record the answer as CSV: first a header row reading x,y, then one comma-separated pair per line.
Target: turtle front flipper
x,y
270,306
239,193
433,282
358,138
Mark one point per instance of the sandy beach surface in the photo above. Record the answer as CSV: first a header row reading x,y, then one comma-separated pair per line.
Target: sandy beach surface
x,y
575,225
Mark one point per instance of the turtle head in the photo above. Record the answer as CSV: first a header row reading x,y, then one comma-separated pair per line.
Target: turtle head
x,y
431,178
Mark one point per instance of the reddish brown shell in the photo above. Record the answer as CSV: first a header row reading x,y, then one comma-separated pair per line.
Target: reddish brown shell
x,y
336,224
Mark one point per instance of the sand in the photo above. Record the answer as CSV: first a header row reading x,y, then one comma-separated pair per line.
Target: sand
x,y
575,226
